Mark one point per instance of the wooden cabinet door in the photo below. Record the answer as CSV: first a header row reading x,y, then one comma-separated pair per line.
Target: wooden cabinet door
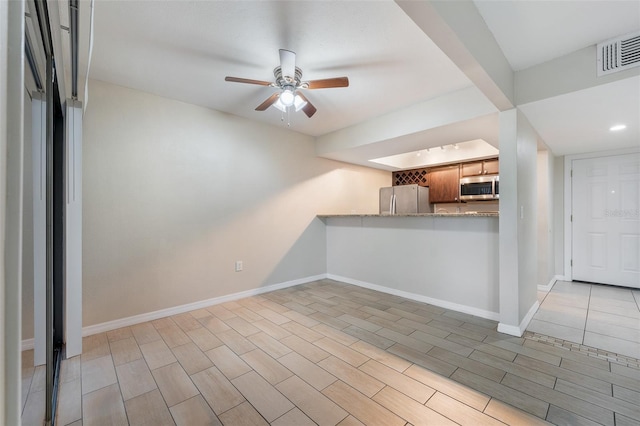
x,y
444,185
491,167
472,169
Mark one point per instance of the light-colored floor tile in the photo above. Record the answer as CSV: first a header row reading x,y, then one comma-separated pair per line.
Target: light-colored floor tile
x,y
125,350
318,407
355,378
70,369
173,335
626,421
242,326
364,409
383,357
398,381
510,415
244,414
194,411
409,409
308,350
564,315
104,407
459,412
614,330
217,390
300,330
352,421
273,330
556,330
145,333
174,384
559,416
307,371
341,351
336,335
619,320
294,417
191,358
204,339
39,379
95,346
214,324
449,387
269,345
613,344
269,402
118,334
97,373
230,364
33,413
221,311
69,402
186,322
157,354
134,379
235,341
148,409
270,369
273,316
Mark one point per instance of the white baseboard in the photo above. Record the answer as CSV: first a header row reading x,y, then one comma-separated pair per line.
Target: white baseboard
x,y
162,313
519,330
150,316
420,298
551,283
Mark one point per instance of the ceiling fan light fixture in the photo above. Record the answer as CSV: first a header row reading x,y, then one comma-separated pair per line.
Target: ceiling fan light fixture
x,y
299,103
287,97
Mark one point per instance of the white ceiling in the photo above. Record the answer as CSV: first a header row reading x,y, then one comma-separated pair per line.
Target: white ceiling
x,y
184,49
531,32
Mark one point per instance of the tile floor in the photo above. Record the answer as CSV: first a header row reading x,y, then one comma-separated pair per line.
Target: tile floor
x,y
328,353
596,315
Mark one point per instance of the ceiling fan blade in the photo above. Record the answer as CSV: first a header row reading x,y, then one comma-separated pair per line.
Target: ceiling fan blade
x,y
308,109
288,63
328,83
270,101
248,81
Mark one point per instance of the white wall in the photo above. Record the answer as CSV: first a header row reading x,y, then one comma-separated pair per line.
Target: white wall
x,y
11,206
174,194
558,215
451,260
518,221
27,227
545,199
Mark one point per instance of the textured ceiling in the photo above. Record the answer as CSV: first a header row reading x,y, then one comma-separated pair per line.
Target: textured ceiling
x,y
184,49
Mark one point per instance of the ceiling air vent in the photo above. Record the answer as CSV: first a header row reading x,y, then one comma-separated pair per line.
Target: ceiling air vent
x,y
619,54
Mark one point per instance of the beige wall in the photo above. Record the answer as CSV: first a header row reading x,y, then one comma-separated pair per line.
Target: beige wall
x,y
174,194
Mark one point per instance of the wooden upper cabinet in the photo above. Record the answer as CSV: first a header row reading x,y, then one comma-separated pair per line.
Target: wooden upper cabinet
x,y
477,168
491,167
444,184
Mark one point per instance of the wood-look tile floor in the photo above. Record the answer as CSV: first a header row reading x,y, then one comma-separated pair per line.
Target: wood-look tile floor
x,y
328,353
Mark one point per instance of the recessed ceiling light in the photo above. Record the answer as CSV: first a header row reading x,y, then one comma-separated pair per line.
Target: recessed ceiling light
x,y
617,127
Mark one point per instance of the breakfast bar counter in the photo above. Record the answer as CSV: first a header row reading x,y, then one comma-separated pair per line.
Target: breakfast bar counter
x,y
448,260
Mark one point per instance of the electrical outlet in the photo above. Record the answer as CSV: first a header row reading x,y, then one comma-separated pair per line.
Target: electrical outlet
x,y
239,265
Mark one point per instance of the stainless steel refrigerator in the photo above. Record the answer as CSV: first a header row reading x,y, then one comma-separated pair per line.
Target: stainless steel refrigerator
x,y
405,199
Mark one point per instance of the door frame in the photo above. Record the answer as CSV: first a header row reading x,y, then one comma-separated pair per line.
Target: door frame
x,y
567,211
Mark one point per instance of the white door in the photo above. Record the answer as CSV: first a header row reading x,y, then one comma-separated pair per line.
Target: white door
x,y
606,220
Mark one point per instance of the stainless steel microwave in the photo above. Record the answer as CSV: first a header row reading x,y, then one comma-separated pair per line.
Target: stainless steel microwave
x,y
480,188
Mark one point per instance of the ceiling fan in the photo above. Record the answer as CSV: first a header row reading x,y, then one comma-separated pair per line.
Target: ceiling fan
x,y
289,81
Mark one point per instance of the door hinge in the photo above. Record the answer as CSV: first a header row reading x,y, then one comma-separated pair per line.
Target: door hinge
x,y
571,172
571,262
571,218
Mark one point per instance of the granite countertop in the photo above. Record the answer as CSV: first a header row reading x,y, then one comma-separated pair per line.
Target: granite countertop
x,y
474,214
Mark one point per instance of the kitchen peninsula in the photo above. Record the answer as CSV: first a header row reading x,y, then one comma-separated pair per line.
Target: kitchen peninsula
x,y
447,260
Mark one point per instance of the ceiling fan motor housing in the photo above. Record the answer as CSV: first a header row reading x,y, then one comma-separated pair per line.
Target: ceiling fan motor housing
x,y
284,80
